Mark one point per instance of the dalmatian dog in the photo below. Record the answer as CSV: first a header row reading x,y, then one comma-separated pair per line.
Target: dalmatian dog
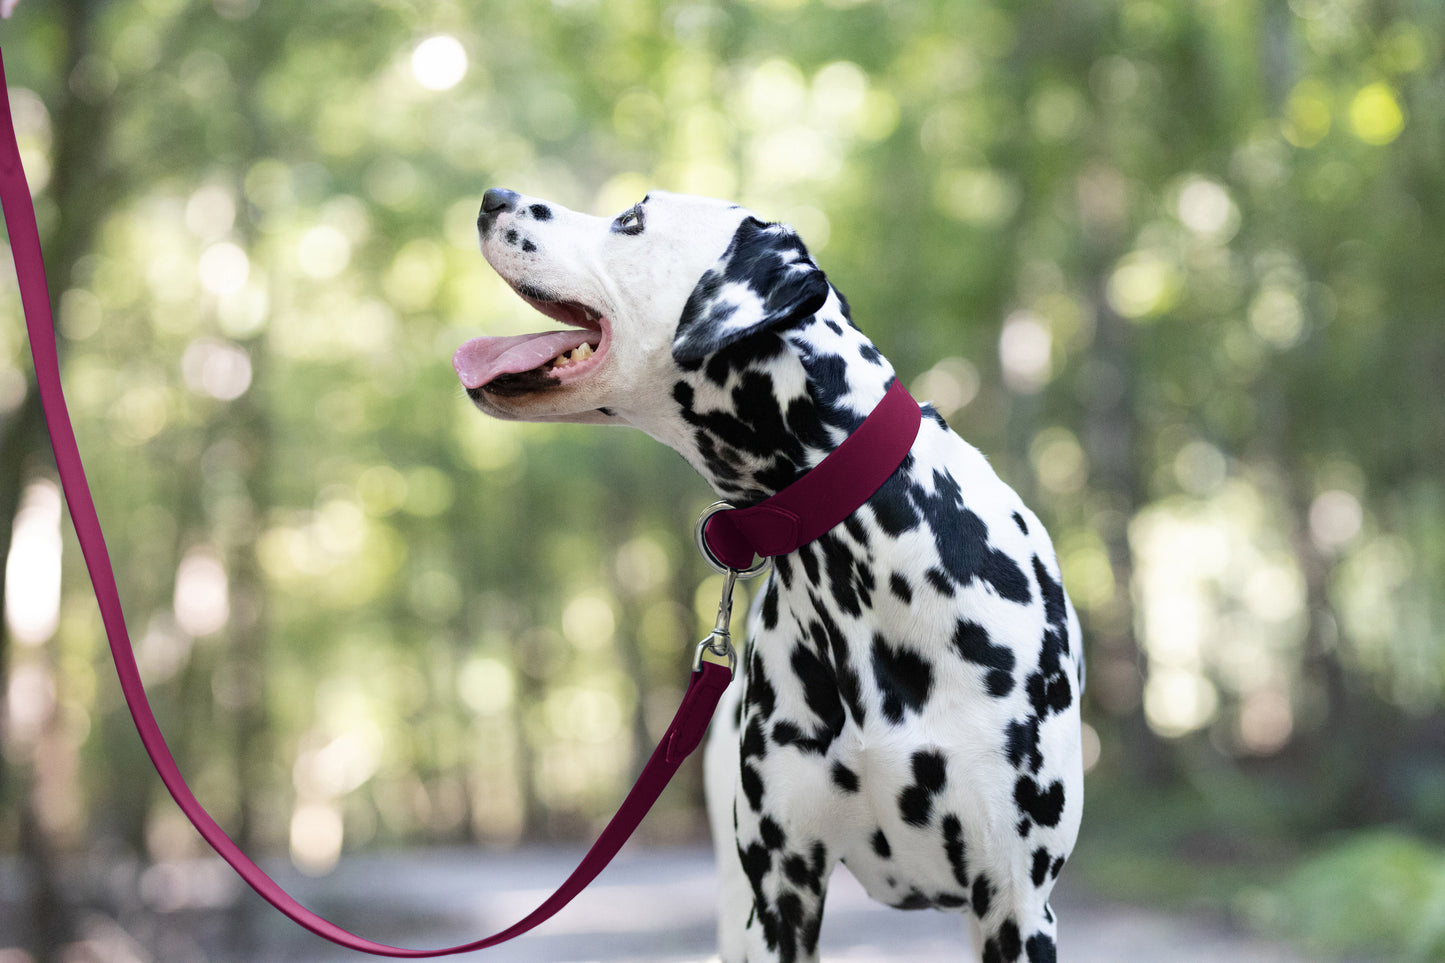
x,y
910,703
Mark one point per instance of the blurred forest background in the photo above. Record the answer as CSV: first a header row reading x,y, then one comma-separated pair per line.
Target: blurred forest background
x,y
1169,263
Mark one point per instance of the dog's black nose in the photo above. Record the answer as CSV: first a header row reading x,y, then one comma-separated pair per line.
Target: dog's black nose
x,y
495,201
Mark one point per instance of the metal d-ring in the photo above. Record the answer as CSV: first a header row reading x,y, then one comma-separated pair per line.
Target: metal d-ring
x,y
718,565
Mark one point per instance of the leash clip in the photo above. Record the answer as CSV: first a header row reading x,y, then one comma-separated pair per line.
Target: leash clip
x,y
719,641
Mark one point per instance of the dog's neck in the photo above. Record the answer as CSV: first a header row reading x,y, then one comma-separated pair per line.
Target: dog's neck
x,y
763,411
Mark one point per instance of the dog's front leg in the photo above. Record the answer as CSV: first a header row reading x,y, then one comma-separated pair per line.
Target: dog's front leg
x,y
787,872
779,843
721,783
772,884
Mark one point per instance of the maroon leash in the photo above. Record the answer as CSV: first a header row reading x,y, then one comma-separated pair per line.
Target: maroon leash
x,y
824,497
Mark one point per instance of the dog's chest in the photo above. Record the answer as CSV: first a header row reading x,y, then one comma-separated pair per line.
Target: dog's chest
x,y
888,666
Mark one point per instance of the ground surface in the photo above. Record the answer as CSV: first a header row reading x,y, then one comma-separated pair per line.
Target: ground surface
x,y
657,907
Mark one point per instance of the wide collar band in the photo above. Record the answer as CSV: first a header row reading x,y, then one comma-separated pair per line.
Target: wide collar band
x,y
822,498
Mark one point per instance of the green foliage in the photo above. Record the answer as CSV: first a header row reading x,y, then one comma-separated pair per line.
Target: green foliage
x,y
1380,893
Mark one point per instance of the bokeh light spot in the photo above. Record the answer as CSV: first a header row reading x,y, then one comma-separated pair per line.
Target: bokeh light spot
x,y
439,63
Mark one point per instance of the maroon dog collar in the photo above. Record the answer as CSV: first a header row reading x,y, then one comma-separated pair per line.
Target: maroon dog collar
x,y
825,496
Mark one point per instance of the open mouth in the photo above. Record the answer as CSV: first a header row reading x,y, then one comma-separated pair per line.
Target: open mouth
x,y
524,363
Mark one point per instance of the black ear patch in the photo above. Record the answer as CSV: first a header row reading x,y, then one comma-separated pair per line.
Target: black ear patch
x,y
764,280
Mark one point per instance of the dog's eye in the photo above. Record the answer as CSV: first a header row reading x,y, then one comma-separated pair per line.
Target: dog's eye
x,y
629,221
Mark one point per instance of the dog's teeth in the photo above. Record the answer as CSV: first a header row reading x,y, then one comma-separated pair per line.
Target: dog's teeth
x,y
580,353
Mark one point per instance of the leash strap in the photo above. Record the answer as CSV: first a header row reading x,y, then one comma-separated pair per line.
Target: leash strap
x,y
682,737
820,500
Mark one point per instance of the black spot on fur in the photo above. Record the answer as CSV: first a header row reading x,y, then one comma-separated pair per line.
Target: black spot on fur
x,y
808,871
832,644
838,561
810,563
796,869
904,679
770,605
1019,521
982,895
541,212
972,642
1005,945
940,581
529,247
1048,687
806,425
1053,594
962,541
953,848
864,583
915,900
892,507
900,588
829,384
784,570
791,920
820,691
880,845
1022,744
756,860
752,784
772,834
1040,872
915,802
1041,949
790,734
1043,806
844,778
760,692
753,745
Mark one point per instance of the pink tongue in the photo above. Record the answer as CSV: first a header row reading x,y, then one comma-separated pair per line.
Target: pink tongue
x,y
482,359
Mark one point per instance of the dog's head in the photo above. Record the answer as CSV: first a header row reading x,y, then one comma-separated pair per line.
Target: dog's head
x,y
665,283
653,300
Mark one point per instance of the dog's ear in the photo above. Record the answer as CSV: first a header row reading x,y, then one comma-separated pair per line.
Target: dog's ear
x,y
765,279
